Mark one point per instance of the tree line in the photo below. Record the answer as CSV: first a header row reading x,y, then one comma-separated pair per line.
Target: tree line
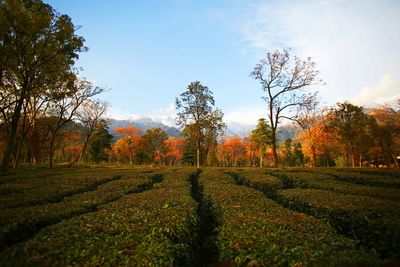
x,y
49,113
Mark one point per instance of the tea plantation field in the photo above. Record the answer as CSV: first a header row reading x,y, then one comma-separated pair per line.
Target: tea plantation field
x,y
210,217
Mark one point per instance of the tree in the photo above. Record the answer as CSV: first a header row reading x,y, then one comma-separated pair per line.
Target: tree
x,y
38,48
174,149
65,107
289,157
387,132
262,136
281,78
298,154
130,136
90,115
99,144
202,124
232,150
353,128
309,114
153,140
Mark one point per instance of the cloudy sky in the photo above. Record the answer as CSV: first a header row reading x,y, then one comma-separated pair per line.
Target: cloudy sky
x,y
147,52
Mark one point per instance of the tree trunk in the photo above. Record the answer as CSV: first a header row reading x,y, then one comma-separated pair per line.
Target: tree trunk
x,y
198,158
395,160
51,152
314,156
274,148
84,148
261,157
13,133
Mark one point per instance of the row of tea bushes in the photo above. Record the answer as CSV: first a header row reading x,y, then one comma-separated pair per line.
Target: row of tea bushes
x,y
387,178
20,223
258,231
374,222
327,182
54,188
141,229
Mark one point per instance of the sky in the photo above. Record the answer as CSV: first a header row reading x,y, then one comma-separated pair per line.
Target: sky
x,y
146,52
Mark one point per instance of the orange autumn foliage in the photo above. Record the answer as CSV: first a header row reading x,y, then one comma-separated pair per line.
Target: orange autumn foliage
x,y
231,151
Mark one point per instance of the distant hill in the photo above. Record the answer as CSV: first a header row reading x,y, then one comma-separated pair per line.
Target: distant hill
x,y
143,124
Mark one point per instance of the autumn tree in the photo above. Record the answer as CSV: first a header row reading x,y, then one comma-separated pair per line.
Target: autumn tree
x,y
262,136
231,150
201,122
282,77
174,150
130,137
309,114
38,47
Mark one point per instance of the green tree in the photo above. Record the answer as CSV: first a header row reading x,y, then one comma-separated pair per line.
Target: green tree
x,y
353,128
289,157
38,47
201,122
298,154
282,78
99,144
153,140
262,136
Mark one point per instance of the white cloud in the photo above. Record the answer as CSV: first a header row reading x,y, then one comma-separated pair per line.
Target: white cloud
x,y
355,43
247,115
384,92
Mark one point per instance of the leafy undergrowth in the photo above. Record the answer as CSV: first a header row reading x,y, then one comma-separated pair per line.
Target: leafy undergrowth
x,y
258,231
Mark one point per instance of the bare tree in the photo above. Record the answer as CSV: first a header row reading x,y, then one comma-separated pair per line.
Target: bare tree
x,y
64,109
90,115
281,78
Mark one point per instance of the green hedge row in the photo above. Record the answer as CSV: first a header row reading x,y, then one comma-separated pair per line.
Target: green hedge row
x,y
143,229
259,232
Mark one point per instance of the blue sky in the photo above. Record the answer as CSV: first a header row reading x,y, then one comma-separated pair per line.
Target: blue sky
x,y
147,52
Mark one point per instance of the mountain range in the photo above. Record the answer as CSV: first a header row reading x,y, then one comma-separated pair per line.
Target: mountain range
x,y
233,128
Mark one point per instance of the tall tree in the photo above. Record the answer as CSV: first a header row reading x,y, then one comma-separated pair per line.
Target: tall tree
x,y
38,46
262,136
353,128
197,116
99,144
90,115
282,78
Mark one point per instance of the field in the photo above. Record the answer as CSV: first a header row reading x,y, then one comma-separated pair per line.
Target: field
x,y
212,217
